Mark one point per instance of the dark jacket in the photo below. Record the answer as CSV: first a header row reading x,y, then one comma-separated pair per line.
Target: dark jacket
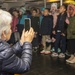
x,y
71,28
10,63
47,25
35,23
61,24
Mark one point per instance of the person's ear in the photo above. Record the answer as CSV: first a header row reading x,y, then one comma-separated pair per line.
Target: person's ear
x,y
3,34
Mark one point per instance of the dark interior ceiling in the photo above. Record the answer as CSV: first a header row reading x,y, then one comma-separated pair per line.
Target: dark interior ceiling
x,y
37,3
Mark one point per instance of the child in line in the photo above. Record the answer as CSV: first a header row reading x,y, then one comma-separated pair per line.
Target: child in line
x,y
35,21
60,32
46,31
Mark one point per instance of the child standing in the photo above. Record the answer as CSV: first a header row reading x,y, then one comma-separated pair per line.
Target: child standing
x,y
21,22
46,30
35,21
60,32
71,33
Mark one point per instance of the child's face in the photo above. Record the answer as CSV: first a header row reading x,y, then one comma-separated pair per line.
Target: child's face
x,y
34,13
62,9
46,12
71,10
53,8
20,12
15,13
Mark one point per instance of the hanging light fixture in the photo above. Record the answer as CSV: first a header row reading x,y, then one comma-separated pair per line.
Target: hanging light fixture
x,y
69,1
53,0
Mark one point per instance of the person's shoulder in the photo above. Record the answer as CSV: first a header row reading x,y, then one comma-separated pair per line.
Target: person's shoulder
x,y
41,15
3,48
59,15
3,44
73,17
36,17
31,16
65,14
50,17
25,16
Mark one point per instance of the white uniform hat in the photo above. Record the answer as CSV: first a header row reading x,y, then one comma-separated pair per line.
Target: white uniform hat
x,y
54,5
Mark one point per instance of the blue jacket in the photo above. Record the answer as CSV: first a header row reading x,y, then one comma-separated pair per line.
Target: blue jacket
x,y
22,19
41,17
10,63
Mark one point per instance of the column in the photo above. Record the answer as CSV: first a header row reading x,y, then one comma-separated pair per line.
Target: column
x,y
61,2
44,3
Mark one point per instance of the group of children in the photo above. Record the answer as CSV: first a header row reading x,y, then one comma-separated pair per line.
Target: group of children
x,y
54,29
57,32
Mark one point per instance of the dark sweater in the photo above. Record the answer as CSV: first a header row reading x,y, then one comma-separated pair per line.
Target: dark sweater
x,y
47,25
61,24
35,21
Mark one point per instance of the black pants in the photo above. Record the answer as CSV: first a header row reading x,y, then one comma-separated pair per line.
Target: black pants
x,y
35,42
62,39
71,46
20,28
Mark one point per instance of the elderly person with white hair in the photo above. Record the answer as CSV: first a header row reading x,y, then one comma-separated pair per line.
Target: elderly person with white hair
x,y
10,63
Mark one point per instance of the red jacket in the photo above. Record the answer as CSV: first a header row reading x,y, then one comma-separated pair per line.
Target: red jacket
x,y
14,23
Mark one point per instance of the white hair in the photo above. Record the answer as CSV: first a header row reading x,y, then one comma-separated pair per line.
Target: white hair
x,y
5,21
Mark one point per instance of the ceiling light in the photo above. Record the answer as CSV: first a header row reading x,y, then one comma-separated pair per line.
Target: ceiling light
x,y
53,0
69,1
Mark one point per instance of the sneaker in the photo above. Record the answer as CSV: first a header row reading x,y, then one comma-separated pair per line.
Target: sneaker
x,y
61,55
59,50
47,52
68,54
36,47
52,50
71,58
35,50
72,61
42,52
54,54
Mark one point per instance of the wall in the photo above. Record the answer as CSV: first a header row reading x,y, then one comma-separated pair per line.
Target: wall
x,y
9,5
